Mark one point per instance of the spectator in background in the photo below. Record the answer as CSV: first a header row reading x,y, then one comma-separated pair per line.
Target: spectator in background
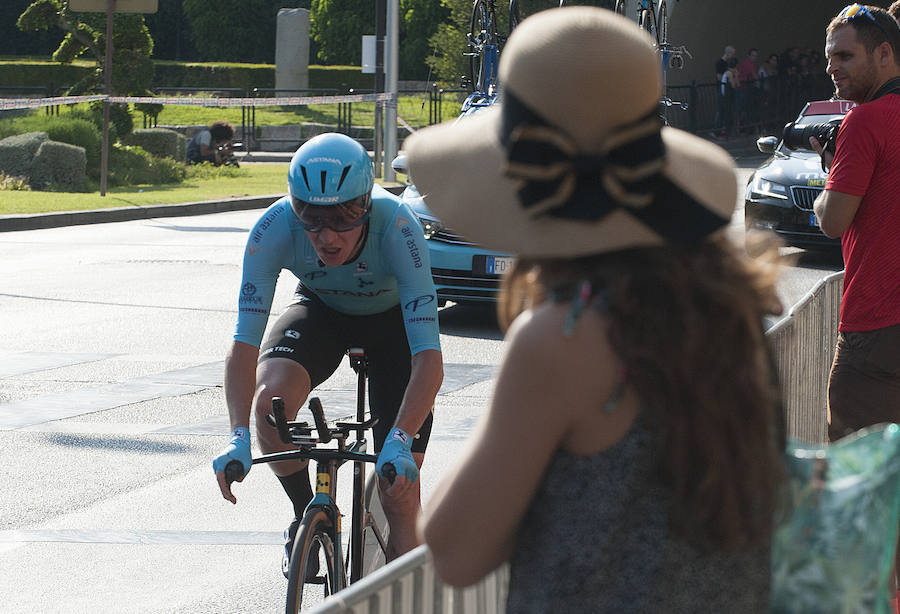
x,y
768,84
859,204
204,146
637,375
721,125
727,90
722,62
745,96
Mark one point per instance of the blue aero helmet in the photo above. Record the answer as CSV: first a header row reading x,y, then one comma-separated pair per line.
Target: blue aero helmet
x,y
330,169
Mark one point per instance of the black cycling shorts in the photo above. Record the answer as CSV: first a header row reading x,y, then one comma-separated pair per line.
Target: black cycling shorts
x,y
317,337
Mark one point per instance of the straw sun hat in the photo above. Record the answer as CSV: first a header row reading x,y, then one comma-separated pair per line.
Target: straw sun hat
x,y
572,161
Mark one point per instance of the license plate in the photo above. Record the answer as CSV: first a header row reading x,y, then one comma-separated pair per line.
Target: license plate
x,y
498,265
812,220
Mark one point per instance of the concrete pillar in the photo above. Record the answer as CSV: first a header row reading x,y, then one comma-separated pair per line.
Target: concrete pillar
x,y
292,50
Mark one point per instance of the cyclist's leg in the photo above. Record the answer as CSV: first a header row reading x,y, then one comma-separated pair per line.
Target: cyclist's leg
x,y
298,354
302,350
389,371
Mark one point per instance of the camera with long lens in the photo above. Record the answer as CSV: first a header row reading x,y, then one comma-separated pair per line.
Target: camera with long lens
x,y
797,136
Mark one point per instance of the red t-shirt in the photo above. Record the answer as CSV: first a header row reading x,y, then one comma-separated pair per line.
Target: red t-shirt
x,y
867,164
747,72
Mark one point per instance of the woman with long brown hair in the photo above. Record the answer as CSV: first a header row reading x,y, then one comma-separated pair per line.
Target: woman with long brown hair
x,y
631,457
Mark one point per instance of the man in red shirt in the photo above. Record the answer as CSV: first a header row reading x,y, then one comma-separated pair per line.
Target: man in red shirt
x,y
745,96
861,205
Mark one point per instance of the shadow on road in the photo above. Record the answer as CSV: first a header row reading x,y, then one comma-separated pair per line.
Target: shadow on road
x,y
116,443
470,320
820,259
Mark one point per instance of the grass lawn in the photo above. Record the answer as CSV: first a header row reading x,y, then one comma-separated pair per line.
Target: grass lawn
x,y
248,180
257,179
412,109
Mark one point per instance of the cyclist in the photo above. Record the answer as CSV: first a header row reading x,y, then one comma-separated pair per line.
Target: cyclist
x,y
364,280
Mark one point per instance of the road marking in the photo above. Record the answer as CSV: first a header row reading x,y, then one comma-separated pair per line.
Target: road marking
x,y
19,363
165,538
29,413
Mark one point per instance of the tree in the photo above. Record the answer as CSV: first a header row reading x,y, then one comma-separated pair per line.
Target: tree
x,y
337,27
86,33
235,30
448,44
15,42
419,21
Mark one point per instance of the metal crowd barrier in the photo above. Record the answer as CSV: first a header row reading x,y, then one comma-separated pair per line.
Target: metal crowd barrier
x,y
409,585
803,343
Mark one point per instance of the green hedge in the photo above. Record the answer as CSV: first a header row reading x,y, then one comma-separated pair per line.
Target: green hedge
x,y
160,142
32,73
59,166
17,153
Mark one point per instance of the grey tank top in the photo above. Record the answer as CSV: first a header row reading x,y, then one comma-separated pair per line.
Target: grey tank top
x,y
595,539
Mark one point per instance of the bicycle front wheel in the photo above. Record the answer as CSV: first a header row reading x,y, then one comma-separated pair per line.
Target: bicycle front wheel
x,y
314,547
645,21
514,16
480,36
662,23
621,6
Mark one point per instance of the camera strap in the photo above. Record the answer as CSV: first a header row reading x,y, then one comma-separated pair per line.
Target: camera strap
x,y
891,86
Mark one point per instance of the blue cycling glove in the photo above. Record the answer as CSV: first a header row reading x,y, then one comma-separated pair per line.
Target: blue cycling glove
x,y
238,449
397,450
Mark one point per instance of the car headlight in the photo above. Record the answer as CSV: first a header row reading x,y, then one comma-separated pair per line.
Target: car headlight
x,y
430,226
763,188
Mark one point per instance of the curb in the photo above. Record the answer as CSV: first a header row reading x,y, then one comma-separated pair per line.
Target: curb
x,y
38,221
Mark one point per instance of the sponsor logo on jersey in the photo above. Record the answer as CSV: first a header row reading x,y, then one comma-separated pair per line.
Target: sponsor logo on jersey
x,y
265,223
419,301
314,275
248,295
344,292
291,333
401,221
362,268
419,319
252,249
363,283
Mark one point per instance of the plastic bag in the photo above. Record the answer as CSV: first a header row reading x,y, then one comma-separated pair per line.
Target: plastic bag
x,y
835,551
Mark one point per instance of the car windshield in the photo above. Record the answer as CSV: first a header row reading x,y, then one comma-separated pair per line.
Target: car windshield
x,y
806,120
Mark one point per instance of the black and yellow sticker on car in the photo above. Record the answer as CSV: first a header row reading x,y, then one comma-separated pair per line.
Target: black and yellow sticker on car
x,y
816,183
323,483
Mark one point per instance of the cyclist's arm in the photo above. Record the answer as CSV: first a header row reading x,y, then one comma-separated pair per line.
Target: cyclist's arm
x,y
407,254
424,382
264,256
546,384
240,382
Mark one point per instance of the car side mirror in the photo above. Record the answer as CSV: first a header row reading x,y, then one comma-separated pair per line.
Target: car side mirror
x,y
400,164
766,144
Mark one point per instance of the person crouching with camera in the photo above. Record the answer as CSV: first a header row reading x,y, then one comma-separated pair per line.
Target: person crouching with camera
x,y
861,205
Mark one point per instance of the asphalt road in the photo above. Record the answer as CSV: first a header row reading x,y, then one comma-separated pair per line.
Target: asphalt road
x,y
111,408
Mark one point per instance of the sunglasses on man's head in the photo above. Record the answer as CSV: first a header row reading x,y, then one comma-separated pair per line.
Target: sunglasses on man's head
x,y
339,218
855,11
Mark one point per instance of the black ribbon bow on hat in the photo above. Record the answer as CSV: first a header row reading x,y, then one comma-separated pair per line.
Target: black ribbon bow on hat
x,y
558,180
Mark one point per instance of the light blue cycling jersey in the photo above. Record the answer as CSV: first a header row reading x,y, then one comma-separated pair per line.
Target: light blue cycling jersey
x,y
393,268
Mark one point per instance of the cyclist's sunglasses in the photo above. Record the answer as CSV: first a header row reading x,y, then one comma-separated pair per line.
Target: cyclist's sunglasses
x,y
339,218
854,11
